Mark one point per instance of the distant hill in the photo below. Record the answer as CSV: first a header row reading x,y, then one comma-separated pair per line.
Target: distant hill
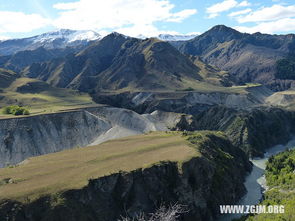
x,y
247,57
22,59
52,40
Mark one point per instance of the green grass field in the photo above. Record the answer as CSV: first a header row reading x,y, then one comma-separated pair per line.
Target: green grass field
x,y
73,168
197,86
42,98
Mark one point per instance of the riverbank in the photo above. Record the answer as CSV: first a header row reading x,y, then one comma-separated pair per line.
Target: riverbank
x,y
255,182
280,179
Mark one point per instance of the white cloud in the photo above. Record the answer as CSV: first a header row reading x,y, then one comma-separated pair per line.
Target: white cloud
x,y
20,22
222,6
281,25
242,12
180,16
66,6
148,31
244,4
272,13
128,16
136,30
213,15
214,10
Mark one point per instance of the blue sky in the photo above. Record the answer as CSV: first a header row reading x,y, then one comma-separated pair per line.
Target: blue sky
x,y
22,18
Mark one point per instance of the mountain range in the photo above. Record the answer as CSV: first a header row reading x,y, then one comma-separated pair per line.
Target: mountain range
x,y
64,38
86,61
119,62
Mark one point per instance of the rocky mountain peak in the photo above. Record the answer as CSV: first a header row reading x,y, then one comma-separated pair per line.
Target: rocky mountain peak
x,y
222,33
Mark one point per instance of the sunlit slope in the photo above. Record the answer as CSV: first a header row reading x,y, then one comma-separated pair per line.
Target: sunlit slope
x,y
73,168
40,97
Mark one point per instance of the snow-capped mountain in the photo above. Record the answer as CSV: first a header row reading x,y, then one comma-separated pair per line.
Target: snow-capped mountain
x,y
67,36
169,37
64,38
51,40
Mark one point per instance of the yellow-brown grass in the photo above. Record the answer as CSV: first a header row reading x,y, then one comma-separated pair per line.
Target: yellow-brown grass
x,y
73,168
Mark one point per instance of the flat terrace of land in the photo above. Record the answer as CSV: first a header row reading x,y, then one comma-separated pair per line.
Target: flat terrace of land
x,y
71,169
40,98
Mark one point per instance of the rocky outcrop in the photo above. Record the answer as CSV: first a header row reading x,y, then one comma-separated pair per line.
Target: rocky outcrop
x,y
201,183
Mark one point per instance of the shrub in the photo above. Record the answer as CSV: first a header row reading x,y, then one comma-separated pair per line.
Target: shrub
x,y
15,110
188,89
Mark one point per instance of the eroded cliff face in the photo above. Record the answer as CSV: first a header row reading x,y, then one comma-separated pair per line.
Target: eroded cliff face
x,y
21,138
185,102
201,183
253,130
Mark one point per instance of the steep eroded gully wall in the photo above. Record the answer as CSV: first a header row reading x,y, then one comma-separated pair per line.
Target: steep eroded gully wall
x,y
21,138
253,130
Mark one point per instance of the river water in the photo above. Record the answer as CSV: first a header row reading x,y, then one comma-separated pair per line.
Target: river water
x,y
255,182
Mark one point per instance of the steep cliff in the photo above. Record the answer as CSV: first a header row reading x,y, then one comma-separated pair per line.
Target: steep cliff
x,y
21,138
252,130
201,183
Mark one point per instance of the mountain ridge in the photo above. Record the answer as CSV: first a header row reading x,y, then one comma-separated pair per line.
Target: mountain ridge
x,y
239,58
120,62
247,57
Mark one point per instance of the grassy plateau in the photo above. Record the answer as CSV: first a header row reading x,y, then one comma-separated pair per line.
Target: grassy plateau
x,y
41,98
73,168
